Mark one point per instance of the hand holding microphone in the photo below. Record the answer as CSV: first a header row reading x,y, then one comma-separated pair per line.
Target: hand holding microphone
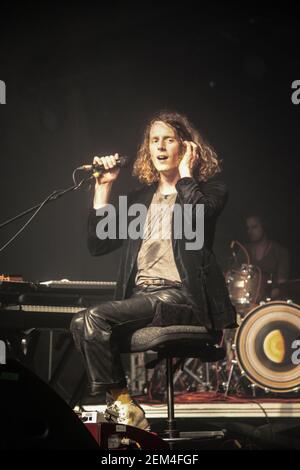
x,y
110,166
105,169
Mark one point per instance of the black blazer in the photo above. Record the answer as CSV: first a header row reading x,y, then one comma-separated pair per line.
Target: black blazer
x,y
198,269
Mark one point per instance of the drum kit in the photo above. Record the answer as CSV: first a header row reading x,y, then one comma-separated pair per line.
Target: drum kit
x,y
263,354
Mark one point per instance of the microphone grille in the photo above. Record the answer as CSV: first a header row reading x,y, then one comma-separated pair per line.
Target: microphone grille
x,y
123,161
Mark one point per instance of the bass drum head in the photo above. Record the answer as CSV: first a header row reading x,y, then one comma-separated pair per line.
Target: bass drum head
x,y
268,346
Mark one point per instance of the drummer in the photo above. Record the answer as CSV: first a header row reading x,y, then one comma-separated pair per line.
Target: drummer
x,y
270,256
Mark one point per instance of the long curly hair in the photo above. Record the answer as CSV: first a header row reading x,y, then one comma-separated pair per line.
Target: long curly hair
x,y
209,163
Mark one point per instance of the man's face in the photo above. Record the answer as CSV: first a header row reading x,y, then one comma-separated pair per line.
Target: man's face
x,y
254,229
164,148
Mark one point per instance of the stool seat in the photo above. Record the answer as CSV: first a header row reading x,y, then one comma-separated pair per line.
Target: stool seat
x,y
176,341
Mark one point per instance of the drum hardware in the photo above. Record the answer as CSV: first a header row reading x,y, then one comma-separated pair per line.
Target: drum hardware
x,y
240,375
269,288
207,379
227,385
196,378
190,375
253,386
243,286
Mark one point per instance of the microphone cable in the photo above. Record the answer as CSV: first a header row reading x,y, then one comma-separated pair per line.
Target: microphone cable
x,y
54,195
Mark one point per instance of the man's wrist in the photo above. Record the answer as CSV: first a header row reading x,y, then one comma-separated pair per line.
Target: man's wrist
x,y
103,186
101,196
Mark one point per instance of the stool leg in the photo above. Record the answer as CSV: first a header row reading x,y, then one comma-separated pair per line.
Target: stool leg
x,y
171,430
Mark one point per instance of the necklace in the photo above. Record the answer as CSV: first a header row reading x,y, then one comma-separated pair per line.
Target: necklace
x,y
165,196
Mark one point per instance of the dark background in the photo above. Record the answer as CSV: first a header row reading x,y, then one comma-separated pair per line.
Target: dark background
x,y
83,79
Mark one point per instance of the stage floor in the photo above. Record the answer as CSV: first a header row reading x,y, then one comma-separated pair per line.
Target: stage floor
x,y
211,405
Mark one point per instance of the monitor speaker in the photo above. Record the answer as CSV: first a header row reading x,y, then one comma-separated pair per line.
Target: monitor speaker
x,y
34,416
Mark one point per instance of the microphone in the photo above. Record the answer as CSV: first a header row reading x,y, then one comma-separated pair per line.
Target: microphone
x,y
234,255
121,162
232,244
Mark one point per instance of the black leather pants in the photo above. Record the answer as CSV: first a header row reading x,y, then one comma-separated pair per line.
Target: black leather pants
x,y
98,330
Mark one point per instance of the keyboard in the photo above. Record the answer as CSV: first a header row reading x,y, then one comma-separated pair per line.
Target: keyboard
x,y
49,304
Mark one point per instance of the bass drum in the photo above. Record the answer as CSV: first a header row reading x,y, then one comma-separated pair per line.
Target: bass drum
x,y
268,346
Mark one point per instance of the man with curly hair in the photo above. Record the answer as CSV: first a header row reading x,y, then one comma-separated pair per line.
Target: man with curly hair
x,y
176,166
